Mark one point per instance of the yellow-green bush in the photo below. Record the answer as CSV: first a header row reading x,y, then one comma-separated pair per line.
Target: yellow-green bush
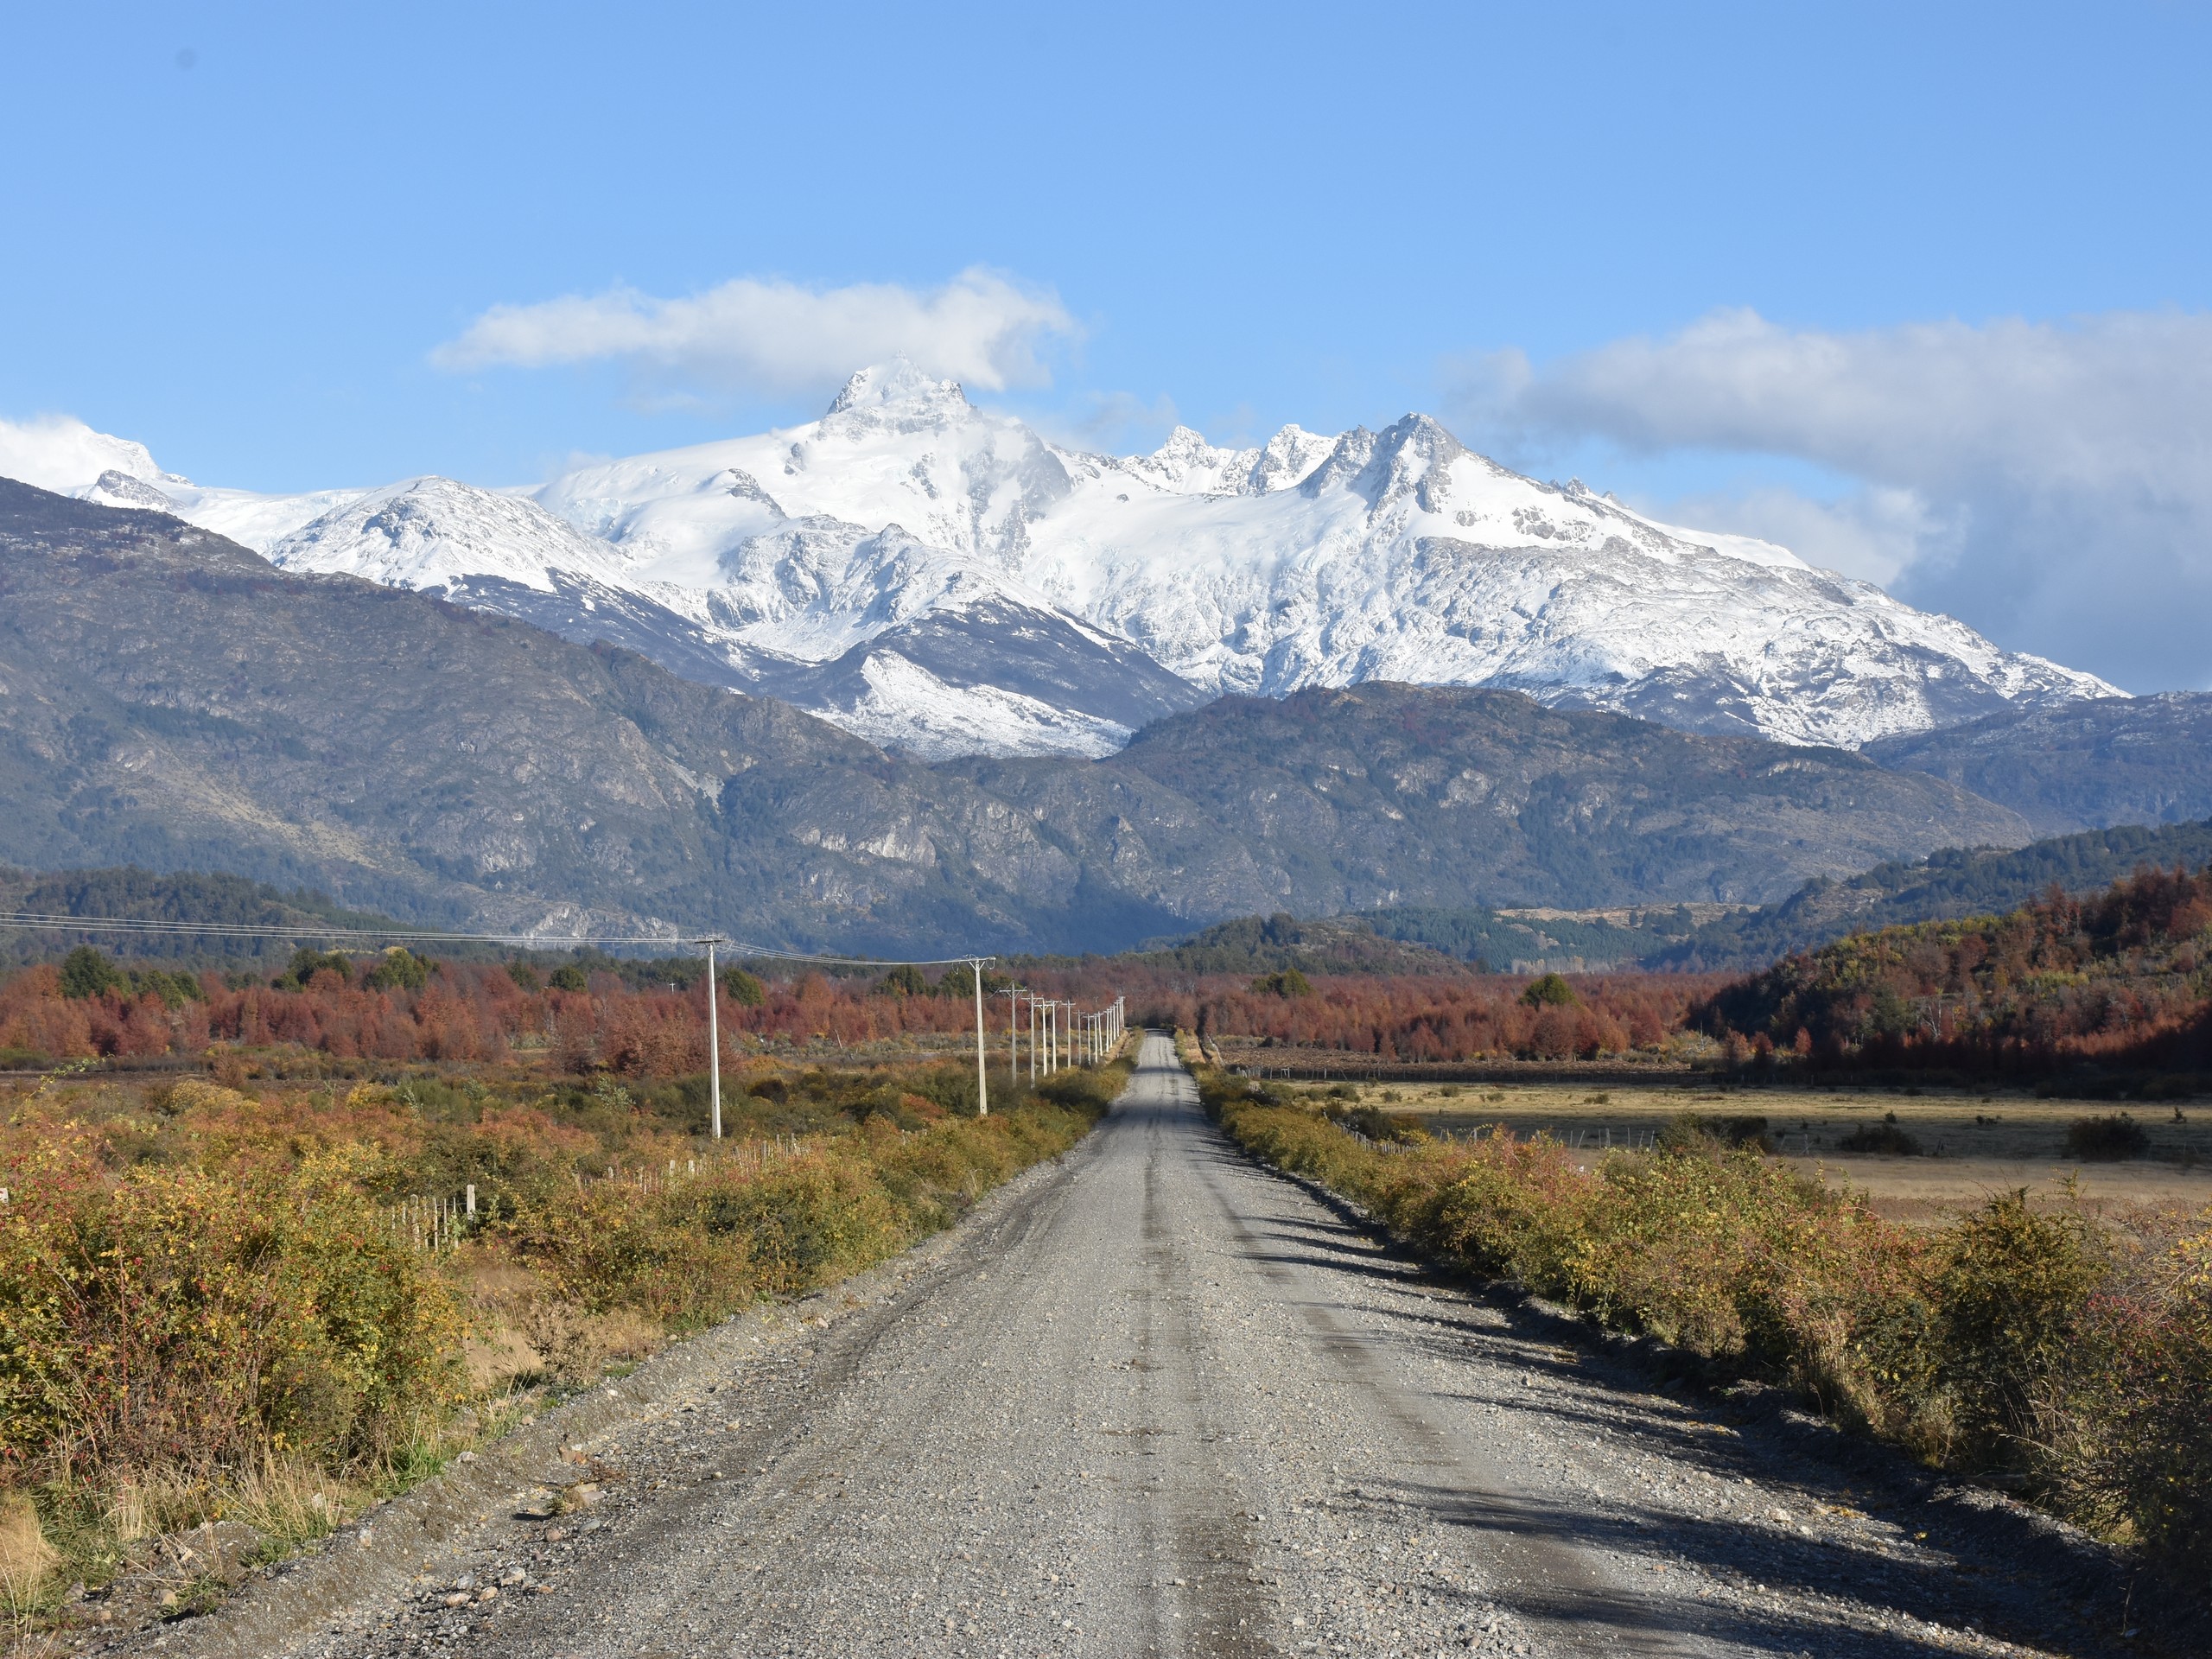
x,y
178,1317
705,1247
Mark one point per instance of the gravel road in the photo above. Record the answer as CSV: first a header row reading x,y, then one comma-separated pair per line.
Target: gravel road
x,y
1167,1402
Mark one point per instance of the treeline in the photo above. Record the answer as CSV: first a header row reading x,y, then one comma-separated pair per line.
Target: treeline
x,y
1426,1017
2121,977
396,1006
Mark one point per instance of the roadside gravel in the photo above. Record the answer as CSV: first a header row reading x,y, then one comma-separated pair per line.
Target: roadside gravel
x,y
1163,1402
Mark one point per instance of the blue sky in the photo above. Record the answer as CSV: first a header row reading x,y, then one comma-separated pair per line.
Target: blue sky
x,y
1919,289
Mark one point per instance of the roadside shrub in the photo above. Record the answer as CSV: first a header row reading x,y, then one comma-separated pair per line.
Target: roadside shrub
x,y
1885,1138
1086,1089
2011,1292
2106,1140
176,1317
2138,1459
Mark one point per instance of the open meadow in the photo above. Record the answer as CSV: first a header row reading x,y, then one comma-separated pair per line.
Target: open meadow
x,y
1920,1155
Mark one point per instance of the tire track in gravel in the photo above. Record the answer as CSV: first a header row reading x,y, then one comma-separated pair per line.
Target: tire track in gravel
x,y
1166,1402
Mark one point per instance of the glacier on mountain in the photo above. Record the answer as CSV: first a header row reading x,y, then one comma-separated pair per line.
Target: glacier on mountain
x,y
942,578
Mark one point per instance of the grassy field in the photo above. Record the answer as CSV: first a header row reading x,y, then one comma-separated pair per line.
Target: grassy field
x,y
1971,1145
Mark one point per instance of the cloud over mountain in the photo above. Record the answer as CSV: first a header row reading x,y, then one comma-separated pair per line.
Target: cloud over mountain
x,y
2050,482
981,327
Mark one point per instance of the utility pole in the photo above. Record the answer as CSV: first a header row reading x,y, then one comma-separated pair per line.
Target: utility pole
x,y
714,1038
1032,1037
1013,1035
982,1088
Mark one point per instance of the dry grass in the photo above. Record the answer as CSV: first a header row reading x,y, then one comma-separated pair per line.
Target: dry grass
x,y
26,1557
1973,1145
290,1502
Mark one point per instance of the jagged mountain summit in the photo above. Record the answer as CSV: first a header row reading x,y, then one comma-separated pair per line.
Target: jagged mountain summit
x,y
942,580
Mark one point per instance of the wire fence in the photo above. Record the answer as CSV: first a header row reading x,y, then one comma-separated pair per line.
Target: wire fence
x,y
436,1224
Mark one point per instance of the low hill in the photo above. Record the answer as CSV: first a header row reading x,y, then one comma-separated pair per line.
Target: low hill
x,y
183,897
1540,940
2117,977
1953,883
1270,945
1956,882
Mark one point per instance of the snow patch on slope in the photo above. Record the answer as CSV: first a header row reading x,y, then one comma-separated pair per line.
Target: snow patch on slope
x,y
905,707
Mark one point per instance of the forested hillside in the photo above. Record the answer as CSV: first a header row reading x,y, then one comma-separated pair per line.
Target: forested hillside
x,y
2122,977
184,896
1954,883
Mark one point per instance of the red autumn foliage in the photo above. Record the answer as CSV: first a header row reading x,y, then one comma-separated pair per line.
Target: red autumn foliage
x,y
2119,976
475,1012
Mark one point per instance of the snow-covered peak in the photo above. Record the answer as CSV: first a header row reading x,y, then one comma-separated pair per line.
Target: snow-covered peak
x,y
1414,457
1286,459
1187,465
116,488
894,382
906,514
883,385
436,533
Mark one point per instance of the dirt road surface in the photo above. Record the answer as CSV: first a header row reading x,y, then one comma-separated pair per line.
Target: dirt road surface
x,y
1165,1403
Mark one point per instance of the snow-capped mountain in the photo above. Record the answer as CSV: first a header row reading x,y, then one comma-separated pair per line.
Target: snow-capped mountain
x,y
943,579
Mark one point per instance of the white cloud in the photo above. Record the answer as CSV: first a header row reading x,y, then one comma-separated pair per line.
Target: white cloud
x,y
58,452
1874,533
2050,483
981,328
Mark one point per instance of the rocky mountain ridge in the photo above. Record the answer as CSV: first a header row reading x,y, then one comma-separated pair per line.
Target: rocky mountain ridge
x,y
945,581
169,699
